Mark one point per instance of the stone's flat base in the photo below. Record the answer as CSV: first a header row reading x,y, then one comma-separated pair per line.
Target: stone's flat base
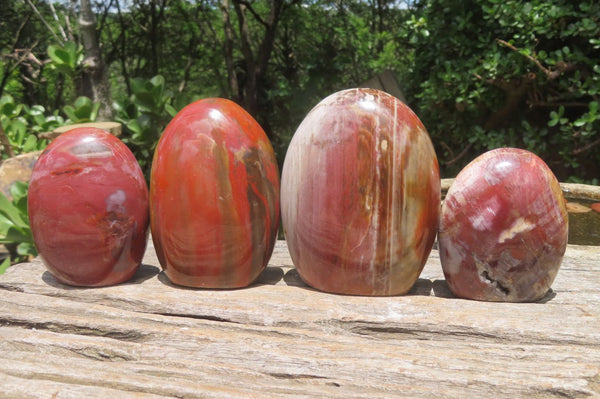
x,y
279,338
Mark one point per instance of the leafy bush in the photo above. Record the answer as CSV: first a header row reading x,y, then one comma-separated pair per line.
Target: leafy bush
x,y
15,232
22,124
82,111
67,58
490,73
144,115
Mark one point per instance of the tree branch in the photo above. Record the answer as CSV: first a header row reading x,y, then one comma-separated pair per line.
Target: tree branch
x,y
94,80
252,11
561,66
8,67
557,104
37,12
249,97
55,15
515,90
459,156
586,147
266,46
6,147
72,8
228,50
123,40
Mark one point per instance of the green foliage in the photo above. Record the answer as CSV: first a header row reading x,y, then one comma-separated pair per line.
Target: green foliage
x,y
15,232
82,111
479,73
145,114
22,124
67,58
491,73
5,265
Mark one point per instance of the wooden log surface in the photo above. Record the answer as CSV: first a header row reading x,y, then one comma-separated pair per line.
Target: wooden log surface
x,y
279,338
113,128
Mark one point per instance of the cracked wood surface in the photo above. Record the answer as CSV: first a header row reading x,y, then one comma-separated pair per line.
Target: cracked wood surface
x,y
279,338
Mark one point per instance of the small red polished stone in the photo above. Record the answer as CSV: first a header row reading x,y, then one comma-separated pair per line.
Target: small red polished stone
x,y
88,208
503,228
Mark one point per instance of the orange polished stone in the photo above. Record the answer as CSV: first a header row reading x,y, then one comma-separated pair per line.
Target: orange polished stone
x,y
360,195
214,196
88,208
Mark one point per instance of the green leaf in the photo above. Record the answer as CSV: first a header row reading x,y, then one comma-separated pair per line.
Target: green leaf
x,y
15,235
94,113
159,83
4,265
58,55
171,110
26,249
12,212
69,110
66,58
134,127
19,190
15,128
5,224
30,144
83,107
554,117
138,85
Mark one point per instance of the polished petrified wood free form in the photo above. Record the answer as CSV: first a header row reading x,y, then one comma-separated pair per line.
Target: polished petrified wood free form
x,y
360,195
214,196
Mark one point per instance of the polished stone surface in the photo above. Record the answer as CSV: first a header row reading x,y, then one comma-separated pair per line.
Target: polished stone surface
x,y
88,208
214,196
360,195
503,229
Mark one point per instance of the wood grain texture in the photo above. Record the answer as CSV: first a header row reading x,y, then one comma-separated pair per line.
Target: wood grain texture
x,y
214,196
279,338
360,195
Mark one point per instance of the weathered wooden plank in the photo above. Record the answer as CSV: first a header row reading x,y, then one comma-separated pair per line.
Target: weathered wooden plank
x,y
186,351
280,338
113,128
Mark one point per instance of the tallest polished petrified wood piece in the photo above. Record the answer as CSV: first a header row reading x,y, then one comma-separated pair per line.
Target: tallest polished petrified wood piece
x,y
360,195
